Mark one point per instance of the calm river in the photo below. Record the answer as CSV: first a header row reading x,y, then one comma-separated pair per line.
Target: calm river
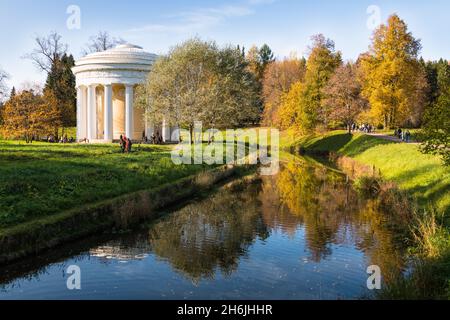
x,y
303,234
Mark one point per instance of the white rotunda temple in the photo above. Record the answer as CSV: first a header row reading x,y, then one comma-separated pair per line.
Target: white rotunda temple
x,y
105,83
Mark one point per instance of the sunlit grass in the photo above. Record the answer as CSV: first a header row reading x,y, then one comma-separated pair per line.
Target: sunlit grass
x,y
41,179
423,176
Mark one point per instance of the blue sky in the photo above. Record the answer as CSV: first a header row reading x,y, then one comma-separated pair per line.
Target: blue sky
x,y
286,25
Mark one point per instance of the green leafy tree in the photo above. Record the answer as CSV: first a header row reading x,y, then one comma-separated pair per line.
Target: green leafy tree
x,y
13,92
197,81
266,57
436,130
438,78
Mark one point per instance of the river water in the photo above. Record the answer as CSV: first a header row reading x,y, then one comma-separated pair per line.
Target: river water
x,y
302,234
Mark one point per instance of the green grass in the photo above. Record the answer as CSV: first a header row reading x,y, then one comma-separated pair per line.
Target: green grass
x,y
422,176
42,179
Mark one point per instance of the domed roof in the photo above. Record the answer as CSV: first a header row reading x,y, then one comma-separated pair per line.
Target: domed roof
x,y
121,54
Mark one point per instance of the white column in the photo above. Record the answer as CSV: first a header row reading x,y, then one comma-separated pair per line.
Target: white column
x,y
84,113
129,111
79,114
92,113
108,117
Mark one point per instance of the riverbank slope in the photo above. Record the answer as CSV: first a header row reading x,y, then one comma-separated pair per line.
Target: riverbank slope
x,y
422,176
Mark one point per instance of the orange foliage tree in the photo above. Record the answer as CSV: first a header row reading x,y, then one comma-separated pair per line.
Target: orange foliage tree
x,y
28,115
278,79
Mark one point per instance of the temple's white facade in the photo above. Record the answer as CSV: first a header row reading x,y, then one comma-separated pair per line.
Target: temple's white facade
x,y
105,84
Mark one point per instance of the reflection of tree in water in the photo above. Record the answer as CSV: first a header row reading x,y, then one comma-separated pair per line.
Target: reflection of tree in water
x,y
331,212
211,234
320,199
378,239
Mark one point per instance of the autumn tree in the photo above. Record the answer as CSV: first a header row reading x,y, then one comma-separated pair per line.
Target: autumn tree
x,y
394,82
278,79
291,113
50,56
343,96
102,41
29,115
258,60
320,66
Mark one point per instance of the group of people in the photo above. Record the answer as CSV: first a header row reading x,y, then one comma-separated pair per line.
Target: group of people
x,y
154,139
366,128
403,135
125,144
64,139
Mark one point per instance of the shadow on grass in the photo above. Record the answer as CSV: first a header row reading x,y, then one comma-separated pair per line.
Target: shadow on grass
x,y
429,192
360,144
330,143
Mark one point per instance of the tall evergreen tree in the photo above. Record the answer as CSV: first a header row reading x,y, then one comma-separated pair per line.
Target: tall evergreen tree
x,y
266,57
61,81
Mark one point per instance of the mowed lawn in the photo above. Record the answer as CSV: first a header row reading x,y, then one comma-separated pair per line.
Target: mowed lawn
x,y
423,176
41,179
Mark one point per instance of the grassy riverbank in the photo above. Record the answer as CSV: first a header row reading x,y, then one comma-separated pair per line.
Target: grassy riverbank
x,y
422,176
42,179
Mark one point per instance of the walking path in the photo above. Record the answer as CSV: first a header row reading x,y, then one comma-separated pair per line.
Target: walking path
x,y
389,137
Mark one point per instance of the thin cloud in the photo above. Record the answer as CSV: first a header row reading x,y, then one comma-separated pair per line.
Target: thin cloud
x,y
201,19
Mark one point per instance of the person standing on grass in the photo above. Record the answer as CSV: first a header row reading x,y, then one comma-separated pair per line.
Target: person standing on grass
x,y
128,145
407,136
122,143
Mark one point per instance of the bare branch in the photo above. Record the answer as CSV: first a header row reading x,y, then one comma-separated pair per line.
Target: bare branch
x,y
102,41
48,50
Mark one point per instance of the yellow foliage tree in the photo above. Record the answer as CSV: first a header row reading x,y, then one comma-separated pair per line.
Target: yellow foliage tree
x,y
394,82
278,78
291,113
29,116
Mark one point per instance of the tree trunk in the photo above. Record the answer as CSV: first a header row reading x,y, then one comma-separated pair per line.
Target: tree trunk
x,y
191,133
